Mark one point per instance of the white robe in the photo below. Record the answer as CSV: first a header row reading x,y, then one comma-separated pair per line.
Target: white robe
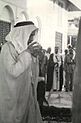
x,y
18,103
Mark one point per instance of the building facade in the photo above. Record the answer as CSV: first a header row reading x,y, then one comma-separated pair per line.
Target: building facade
x,y
10,13
49,15
53,16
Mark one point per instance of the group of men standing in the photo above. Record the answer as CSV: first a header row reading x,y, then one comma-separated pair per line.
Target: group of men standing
x,y
60,70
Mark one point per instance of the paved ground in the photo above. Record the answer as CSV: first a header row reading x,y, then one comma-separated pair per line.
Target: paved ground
x,y
60,99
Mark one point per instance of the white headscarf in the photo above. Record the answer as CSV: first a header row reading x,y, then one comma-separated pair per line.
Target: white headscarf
x,y
19,36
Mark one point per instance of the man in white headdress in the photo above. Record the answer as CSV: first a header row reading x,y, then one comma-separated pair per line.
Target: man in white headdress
x,y
19,75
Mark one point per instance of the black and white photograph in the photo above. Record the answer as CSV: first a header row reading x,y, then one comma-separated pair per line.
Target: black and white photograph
x,y
40,61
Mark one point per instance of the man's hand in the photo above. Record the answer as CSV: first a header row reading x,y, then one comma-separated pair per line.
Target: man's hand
x,y
34,48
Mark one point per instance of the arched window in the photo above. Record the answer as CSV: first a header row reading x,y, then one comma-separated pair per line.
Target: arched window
x,y
6,21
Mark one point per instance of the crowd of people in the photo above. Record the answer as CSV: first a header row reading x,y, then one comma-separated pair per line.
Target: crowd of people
x,y
58,70
29,73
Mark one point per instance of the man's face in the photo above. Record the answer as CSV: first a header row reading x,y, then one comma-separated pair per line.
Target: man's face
x,y
37,51
49,50
56,51
31,38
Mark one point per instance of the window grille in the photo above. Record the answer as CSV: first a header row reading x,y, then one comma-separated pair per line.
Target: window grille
x,y
4,30
58,41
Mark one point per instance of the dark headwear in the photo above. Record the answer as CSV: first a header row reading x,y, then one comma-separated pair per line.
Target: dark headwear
x,y
23,23
69,46
71,51
49,50
66,51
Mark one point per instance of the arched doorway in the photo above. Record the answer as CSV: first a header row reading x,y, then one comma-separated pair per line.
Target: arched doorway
x,y
6,21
